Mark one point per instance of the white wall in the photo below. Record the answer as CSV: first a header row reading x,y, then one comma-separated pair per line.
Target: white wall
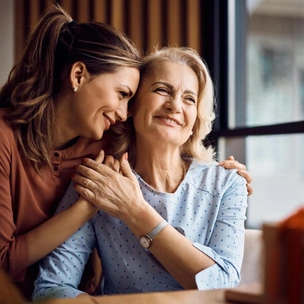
x,y
6,38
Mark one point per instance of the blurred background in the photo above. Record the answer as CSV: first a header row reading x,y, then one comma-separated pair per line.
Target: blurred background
x,y
255,52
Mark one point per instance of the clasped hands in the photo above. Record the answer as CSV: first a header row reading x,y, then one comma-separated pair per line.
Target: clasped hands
x,y
111,186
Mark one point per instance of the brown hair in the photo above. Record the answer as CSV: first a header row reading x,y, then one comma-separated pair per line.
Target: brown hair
x,y
54,45
194,147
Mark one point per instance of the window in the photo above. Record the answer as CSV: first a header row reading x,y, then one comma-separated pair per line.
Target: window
x,y
261,121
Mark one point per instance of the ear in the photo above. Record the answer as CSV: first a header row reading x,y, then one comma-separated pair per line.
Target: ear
x,y
78,75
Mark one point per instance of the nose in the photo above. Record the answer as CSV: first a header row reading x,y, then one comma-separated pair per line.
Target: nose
x,y
122,112
174,104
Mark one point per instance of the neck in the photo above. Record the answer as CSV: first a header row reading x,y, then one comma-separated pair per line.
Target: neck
x,y
163,170
65,132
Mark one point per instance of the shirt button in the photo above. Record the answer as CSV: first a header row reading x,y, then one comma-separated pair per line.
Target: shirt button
x,y
56,168
56,154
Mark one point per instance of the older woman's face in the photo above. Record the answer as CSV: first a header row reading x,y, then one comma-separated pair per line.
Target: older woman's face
x,y
166,105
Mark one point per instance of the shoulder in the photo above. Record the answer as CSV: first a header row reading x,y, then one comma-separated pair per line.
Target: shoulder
x,y
6,133
213,178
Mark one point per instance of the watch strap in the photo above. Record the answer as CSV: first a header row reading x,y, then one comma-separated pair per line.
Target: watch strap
x,y
152,234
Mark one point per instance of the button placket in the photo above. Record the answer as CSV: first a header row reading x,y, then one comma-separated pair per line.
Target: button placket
x,y
56,162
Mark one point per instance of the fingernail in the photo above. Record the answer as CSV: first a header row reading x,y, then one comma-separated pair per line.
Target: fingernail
x,y
84,160
126,156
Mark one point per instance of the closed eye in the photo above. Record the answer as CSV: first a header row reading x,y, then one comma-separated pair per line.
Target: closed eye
x,y
124,94
191,99
162,90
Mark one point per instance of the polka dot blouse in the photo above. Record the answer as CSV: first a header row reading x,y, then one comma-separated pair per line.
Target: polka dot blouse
x,y
208,207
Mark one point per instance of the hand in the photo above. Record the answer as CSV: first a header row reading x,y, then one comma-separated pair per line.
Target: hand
x,y
111,187
231,163
99,159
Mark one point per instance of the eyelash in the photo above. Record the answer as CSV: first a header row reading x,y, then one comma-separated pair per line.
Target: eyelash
x,y
163,90
123,94
191,99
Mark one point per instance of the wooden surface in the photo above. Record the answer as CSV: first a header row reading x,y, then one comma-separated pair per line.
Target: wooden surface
x,y
252,292
172,297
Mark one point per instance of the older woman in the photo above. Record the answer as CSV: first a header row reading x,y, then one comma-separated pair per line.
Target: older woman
x,y
177,220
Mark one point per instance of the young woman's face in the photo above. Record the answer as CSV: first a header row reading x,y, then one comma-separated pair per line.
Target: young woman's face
x,y
103,100
165,107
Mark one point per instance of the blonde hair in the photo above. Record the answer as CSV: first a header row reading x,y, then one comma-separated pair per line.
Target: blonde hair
x,y
194,147
39,76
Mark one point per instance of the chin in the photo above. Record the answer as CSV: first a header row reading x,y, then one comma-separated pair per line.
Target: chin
x,y
97,135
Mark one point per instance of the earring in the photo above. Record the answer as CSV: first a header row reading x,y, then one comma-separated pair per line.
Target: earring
x,y
75,89
191,133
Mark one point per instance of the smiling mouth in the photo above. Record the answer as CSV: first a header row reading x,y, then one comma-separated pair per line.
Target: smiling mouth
x,y
169,120
107,120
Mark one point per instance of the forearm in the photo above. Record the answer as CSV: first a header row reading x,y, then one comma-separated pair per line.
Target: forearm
x,y
180,258
46,237
172,249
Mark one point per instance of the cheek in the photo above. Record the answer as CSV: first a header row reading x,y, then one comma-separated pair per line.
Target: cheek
x,y
192,116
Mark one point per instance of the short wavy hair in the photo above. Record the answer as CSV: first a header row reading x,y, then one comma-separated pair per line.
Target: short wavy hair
x,y
194,147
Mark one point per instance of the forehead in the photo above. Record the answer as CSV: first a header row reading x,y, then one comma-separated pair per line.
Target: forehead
x,y
127,76
176,74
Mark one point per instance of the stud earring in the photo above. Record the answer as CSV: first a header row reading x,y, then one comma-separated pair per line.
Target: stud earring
x,y
75,89
191,133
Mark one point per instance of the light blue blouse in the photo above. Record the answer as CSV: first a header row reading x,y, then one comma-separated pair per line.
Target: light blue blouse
x,y
208,207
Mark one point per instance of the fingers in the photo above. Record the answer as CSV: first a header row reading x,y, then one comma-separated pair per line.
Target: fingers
x,y
112,163
232,164
125,166
86,193
100,157
248,178
249,189
245,174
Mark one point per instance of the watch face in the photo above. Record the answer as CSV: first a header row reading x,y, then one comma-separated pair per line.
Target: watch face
x,y
144,241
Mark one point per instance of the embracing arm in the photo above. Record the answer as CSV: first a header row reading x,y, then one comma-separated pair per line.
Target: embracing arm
x,y
18,250
46,237
61,270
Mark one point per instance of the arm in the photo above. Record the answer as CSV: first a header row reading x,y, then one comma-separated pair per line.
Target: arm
x,y
226,243
46,237
121,197
18,250
41,241
60,271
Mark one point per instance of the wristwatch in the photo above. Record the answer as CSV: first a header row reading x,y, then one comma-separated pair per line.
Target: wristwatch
x,y
146,240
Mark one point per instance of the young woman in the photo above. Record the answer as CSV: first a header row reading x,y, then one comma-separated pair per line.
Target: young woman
x,y
176,221
71,84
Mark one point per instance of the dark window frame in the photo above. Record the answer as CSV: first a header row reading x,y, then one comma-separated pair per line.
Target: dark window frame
x,y
215,51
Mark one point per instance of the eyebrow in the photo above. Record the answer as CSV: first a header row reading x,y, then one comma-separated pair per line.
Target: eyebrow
x,y
171,87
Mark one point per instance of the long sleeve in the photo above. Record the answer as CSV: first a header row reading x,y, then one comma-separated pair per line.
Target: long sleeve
x,y
226,244
13,251
60,271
